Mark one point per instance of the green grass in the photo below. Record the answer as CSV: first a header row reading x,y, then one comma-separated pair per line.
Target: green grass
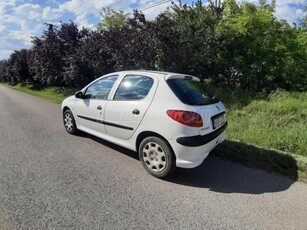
x,y
280,122
50,93
269,132
265,131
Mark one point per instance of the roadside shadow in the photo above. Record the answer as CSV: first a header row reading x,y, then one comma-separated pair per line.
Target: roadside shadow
x,y
257,157
260,176
220,175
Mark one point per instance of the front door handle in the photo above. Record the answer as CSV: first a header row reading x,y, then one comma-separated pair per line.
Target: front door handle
x,y
99,107
136,111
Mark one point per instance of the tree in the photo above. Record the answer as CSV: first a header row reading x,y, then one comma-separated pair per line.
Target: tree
x,y
198,44
133,45
266,6
91,58
17,70
3,77
166,38
76,69
259,50
69,37
47,62
112,19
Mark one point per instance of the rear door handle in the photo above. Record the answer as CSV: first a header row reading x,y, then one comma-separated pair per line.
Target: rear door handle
x,y
99,107
136,111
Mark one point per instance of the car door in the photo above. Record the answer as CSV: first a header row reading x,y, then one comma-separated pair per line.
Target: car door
x,y
90,108
131,100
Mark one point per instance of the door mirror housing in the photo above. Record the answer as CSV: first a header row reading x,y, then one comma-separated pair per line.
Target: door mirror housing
x,y
79,94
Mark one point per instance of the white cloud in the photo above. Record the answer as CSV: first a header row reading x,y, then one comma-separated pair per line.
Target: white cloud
x,y
5,53
18,24
26,8
297,2
79,7
83,22
2,29
6,5
24,37
290,12
50,13
27,16
146,2
153,12
13,40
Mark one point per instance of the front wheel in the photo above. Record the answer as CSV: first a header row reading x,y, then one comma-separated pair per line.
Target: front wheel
x,y
157,157
69,122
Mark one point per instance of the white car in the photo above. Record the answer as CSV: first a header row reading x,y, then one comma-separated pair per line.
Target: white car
x,y
168,118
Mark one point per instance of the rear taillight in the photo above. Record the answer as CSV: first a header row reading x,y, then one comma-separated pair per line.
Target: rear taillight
x,y
188,118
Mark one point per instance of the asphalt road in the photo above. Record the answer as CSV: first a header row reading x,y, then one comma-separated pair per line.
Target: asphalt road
x,y
52,180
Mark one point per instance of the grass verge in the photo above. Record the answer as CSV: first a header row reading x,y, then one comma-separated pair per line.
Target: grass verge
x,y
266,132
50,93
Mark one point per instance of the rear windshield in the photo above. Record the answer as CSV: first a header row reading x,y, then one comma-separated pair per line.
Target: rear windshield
x,y
191,92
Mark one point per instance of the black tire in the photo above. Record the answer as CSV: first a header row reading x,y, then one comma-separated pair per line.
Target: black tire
x,y
69,122
157,157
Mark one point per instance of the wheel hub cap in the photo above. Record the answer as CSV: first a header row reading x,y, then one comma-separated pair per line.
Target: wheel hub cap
x,y
154,157
68,122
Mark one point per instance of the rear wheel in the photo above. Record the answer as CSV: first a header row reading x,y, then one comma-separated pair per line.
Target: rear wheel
x,y
69,122
157,157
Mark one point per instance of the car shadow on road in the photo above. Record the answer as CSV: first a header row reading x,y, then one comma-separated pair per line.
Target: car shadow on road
x,y
108,144
218,175
228,177
256,170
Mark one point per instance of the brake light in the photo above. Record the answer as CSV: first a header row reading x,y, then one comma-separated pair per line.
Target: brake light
x,y
188,118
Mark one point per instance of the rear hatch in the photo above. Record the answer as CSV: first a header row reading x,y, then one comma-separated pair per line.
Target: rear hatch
x,y
191,92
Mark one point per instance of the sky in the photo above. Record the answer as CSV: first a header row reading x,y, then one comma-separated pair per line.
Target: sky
x,y
22,19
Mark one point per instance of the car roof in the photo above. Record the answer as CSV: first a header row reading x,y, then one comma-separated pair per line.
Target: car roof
x,y
161,74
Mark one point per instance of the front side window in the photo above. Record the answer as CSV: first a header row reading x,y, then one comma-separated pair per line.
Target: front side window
x,y
191,92
133,87
101,88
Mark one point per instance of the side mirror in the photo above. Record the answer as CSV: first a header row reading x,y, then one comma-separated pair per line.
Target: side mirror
x,y
79,94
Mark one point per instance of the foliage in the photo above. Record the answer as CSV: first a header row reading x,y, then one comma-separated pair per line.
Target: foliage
x,y
198,43
112,19
3,67
16,67
131,46
259,50
235,45
46,63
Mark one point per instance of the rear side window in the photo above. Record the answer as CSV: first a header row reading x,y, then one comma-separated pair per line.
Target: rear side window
x,y
133,87
190,92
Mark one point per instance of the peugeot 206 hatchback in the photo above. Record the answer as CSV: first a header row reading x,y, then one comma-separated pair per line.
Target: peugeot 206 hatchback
x,y
168,118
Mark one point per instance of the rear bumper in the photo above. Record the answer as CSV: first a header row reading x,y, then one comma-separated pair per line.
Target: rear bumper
x,y
195,141
191,157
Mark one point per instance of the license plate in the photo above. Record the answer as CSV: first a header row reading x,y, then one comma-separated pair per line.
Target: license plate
x,y
219,121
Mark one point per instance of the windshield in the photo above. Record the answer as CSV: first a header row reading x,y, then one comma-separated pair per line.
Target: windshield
x,y
191,92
